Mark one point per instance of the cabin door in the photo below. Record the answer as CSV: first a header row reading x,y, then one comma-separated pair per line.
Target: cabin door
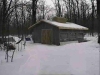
x,y
46,36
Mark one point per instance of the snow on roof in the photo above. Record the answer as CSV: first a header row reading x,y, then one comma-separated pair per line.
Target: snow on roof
x,y
66,25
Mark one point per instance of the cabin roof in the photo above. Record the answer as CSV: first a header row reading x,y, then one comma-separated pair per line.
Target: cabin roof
x,y
67,25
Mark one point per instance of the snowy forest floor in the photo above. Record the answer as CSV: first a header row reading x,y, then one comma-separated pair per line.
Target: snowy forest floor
x,y
67,59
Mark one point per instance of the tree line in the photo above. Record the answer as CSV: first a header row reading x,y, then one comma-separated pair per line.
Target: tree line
x,y
17,15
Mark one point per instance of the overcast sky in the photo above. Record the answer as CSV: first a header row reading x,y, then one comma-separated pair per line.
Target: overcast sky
x,y
49,2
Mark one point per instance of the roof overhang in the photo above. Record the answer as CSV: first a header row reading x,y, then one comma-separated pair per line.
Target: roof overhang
x,y
60,27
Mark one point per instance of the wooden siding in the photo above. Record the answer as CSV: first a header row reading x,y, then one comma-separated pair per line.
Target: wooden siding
x,y
46,36
70,35
58,35
37,30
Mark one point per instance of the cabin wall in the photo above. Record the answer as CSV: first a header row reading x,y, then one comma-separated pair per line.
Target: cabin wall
x,y
37,30
71,35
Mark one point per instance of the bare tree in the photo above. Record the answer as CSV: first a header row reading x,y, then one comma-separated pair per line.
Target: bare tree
x,y
78,12
34,7
93,8
58,7
43,10
98,15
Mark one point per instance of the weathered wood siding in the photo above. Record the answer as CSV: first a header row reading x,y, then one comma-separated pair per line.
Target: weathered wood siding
x,y
37,30
70,35
58,36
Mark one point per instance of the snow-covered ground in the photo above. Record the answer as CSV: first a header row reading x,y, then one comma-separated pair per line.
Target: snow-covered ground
x,y
67,59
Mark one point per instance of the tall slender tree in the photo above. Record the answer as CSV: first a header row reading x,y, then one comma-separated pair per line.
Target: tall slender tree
x,y
34,7
98,15
93,8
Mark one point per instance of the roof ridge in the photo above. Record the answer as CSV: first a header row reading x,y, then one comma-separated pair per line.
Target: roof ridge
x,y
67,25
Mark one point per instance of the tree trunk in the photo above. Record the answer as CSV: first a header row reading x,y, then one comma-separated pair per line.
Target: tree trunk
x,y
98,15
93,8
34,7
4,19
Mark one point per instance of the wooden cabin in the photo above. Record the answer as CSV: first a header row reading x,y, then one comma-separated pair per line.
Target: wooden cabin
x,y
52,32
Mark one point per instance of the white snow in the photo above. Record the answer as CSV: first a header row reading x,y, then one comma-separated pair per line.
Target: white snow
x,y
67,25
67,59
